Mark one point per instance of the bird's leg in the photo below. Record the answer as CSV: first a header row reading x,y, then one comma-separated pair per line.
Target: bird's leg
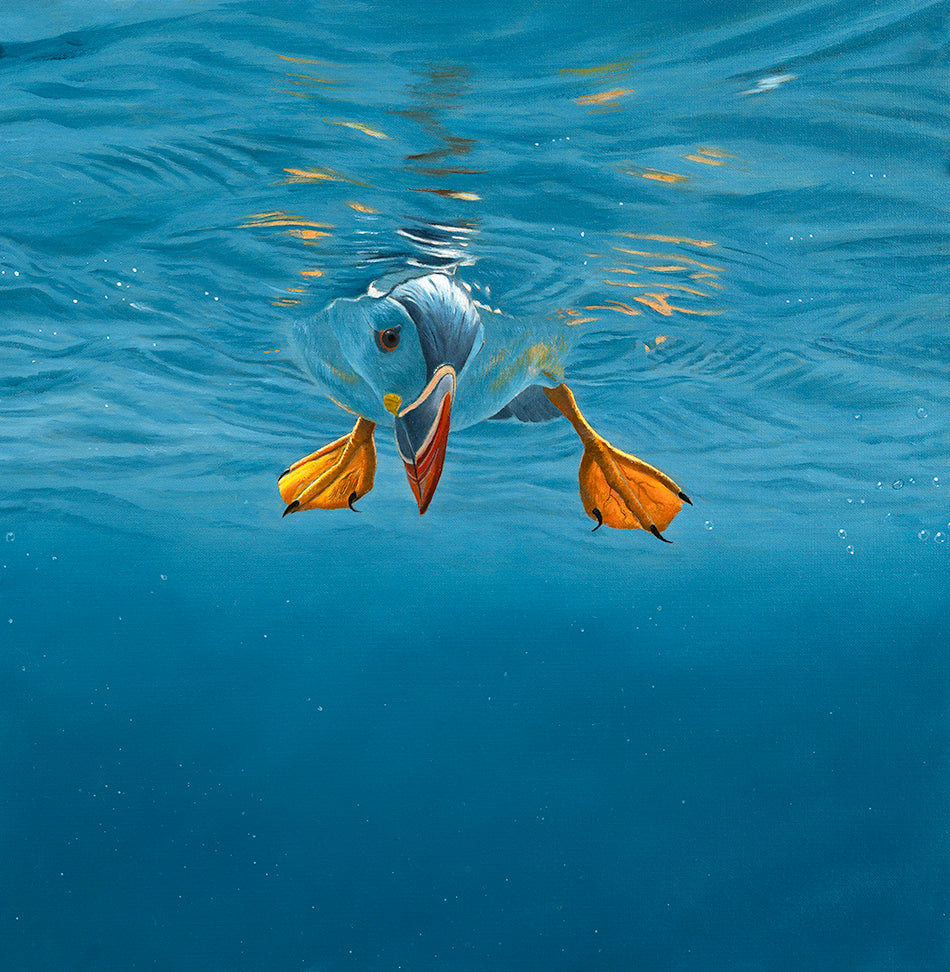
x,y
335,477
616,488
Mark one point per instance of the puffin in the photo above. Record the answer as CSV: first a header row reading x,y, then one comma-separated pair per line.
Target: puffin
x,y
417,356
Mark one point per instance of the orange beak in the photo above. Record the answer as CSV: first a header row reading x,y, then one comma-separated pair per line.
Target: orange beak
x,y
422,433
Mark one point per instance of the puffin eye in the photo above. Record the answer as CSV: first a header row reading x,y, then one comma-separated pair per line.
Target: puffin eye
x,y
388,340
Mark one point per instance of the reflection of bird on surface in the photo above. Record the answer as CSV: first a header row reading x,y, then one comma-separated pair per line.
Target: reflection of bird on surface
x,y
419,354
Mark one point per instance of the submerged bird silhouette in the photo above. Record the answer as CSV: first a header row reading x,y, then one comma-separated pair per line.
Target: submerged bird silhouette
x,y
418,356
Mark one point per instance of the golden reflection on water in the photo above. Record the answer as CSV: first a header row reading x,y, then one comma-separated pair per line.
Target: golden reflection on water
x,y
669,256
657,175
361,207
657,297
303,85
614,67
601,100
318,175
679,240
608,98
357,127
280,218
298,226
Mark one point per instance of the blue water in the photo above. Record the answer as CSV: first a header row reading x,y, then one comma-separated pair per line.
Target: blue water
x,y
485,740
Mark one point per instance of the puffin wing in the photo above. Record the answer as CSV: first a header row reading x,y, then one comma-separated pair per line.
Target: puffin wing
x,y
530,405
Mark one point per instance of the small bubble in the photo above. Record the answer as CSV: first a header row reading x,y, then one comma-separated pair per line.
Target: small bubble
x,y
10,537
163,576
842,534
709,525
923,535
936,480
857,416
921,412
880,485
939,537
850,550
898,484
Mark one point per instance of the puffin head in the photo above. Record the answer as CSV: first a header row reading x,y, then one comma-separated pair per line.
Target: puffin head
x,y
420,337
450,333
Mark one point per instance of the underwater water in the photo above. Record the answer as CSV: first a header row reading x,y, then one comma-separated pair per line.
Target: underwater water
x,y
486,739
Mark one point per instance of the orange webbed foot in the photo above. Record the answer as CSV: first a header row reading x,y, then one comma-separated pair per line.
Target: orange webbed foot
x,y
334,477
618,489
627,493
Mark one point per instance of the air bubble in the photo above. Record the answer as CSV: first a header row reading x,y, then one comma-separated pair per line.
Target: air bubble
x,y
843,534
851,549
921,412
923,535
898,484
708,524
10,537
939,537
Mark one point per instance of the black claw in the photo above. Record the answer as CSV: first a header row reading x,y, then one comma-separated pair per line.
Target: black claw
x,y
353,498
291,508
284,473
685,498
595,513
658,535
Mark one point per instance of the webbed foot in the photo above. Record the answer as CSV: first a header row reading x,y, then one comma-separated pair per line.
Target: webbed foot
x,y
335,476
616,488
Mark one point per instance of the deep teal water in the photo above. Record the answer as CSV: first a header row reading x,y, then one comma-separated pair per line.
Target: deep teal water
x,y
485,739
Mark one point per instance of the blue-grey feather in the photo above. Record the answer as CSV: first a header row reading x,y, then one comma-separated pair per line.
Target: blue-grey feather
x,y
531,405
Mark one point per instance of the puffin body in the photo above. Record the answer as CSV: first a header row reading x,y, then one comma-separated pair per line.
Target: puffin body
x,y
418,357
431,321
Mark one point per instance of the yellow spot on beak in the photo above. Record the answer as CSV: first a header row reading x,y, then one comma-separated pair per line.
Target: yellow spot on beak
x,y
392,403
